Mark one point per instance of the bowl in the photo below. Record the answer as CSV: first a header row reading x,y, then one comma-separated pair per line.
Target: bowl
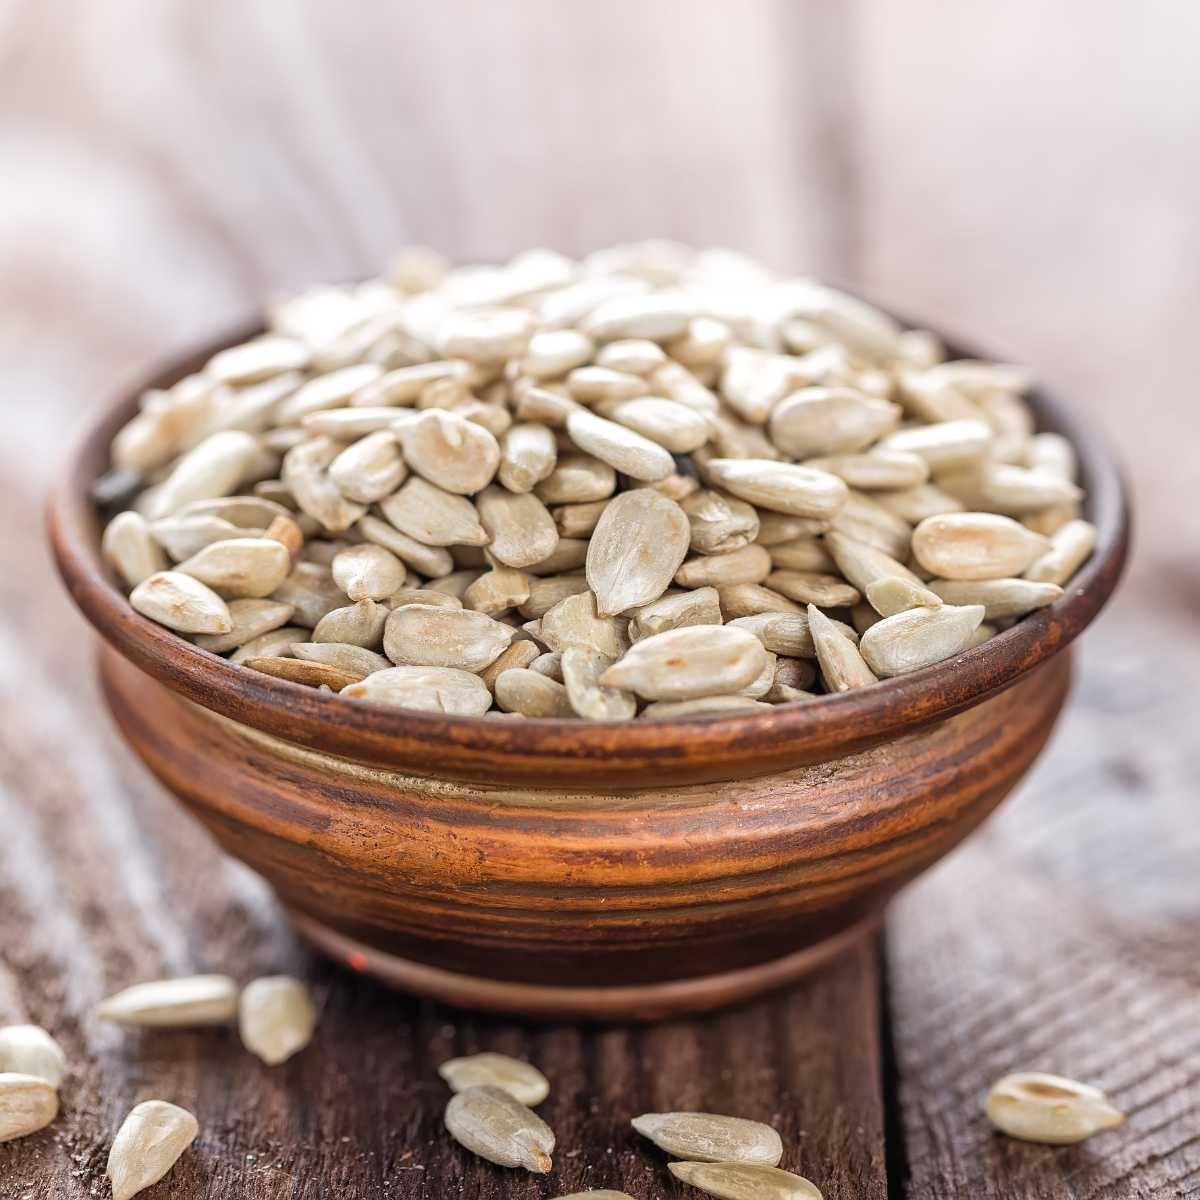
x,y
562,869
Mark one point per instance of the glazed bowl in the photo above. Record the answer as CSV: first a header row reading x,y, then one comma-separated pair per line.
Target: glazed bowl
x,y
556,868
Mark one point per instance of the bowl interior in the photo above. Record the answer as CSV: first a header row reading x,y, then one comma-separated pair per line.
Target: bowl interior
x,y
564,753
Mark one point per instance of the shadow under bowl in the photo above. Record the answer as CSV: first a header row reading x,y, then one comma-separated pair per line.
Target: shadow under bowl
x,y
565,869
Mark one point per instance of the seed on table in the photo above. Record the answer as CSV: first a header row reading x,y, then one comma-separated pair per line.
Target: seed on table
x,y
369,469
496,1126
30,1050
276,1018
862,564
251,618
842,665
311,591
743,599
700,606
308,674
999,597
432,689
575,621
748,564
27,1103
182,603
830,420
597,1194
170,1003
519,1079
434,517
975,545
1070,548
354,660
151,1140
128,546
781,487
581,668
688,663
719,523
919,637
521,529
1036,1107
452,453
813,587
744,1181
707,1137
803,554
891,595
625,451
639,542
577,479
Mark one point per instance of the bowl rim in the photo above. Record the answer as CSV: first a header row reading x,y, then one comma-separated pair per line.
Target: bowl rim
x,y
565,752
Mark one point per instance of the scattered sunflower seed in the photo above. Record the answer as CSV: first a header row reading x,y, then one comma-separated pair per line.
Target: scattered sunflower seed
x,y
30,1050
519,1079
744,1181
1048,1108
276,1017
706,1137
490,1122
171,1003
149,1143
919,637
27,1103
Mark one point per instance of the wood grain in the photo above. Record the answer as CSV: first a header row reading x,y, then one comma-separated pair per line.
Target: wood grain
x,y
1024,171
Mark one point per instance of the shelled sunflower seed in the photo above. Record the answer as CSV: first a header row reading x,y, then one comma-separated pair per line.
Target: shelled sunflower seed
x,y
412,490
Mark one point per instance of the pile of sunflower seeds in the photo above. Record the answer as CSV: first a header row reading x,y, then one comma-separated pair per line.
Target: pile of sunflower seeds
x,y
657,482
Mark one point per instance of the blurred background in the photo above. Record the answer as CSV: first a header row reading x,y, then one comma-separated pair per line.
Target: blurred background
x,y
1024,174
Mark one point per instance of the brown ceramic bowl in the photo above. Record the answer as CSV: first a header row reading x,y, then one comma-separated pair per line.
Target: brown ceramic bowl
x,y
561,868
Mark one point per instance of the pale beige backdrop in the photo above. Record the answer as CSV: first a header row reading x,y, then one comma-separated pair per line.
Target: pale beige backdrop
x,y
1027,173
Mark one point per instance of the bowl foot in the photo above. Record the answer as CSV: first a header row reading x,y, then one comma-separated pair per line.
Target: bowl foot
x,y
641,1002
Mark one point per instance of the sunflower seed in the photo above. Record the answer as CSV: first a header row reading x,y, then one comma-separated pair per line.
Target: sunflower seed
x,y
240,568
639,542
521,529
669,424
251,618
793,678
688,663
452,453
30,1050
698,607
577,479
332,390
1036,1107
351,659
1070,548
276,1018
359,624
433,689
520,1080
803,554
574,621
434,517
782,487
27,1103
842,666
311,591
776,528
943,444
589,384
578,520
744,1181
368,572
582,667
890,595
171,1003
369,469
486,335
719,523
276,644
454,585
749,564
655,317
812,587
544,594
497,590
532,694
528,453
1005,488
916,503
975,546
862,564
626,451
919,637
830,420
434,636
131,550
745,599
496,1126
520,653
1000,597
568,556
182,603
215,467
879,469
597,1194
429,560
637,356
257,360
668,710
705,1137
342,425
549,664
151,1140
309,674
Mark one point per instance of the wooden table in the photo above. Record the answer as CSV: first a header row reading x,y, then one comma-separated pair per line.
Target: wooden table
x,y
246,149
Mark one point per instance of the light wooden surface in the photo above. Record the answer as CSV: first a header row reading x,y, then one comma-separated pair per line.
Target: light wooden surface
x,y
1027,174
